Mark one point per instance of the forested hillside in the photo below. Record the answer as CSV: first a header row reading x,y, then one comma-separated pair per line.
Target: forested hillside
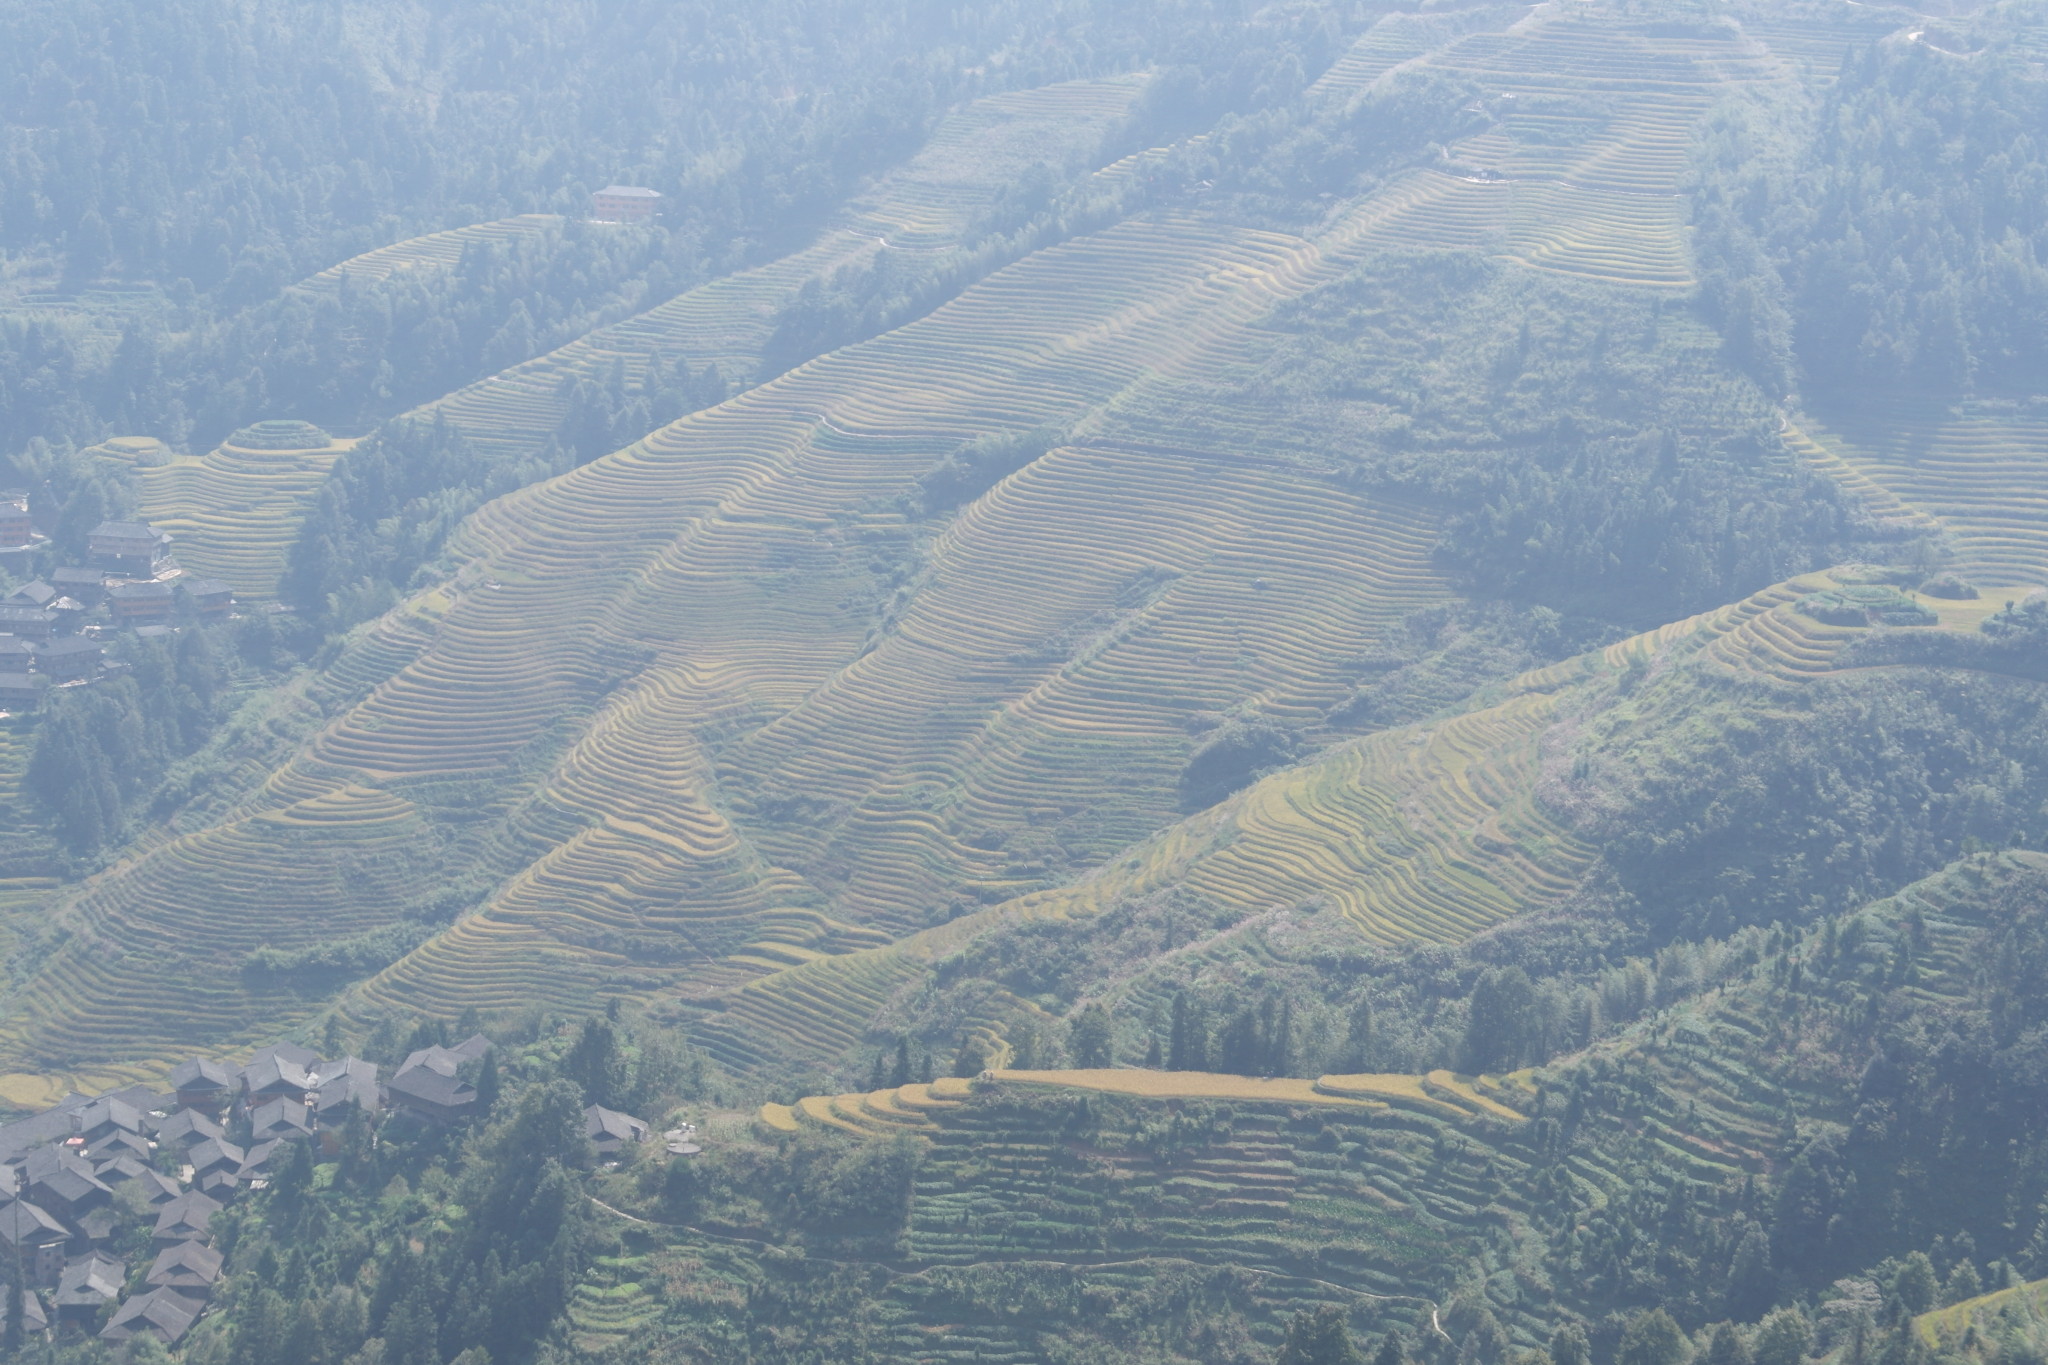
x,y
1152,682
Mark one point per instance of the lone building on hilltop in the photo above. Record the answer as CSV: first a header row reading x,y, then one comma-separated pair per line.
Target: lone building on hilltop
x,y
16,526
624,204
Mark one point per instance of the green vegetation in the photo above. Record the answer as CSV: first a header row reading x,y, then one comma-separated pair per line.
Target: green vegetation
x,y
1306,685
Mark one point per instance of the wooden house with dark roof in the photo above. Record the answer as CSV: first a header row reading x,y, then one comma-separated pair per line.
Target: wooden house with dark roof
x,y
17,525
188,1267
215,1154
131,547
88,1285
25,622
187,1128
36,593
340,1084
611,1132
63,1182
209,596
69,660
203,1084
23,691
430,1085
40,1238
89,586
281,1119
163,1313
139,603
185,1219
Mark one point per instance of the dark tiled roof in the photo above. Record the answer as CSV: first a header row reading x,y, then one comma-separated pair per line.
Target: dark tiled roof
x,y
280,1117
23,1224
164,1311
599,1122
185,1263
36,594
187,1127
90,1282
215,1152
140,592
201,1074
186,1216
432,1087
106,1111
302,1058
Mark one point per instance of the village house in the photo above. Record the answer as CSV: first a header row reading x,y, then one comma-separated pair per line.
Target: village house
x,y
27,623
203,1085
63,1183
624,204
611,1132
209,596
21,691
39,1238
17,527
429,1085
139,603
281,1119
37,594
164,1313
187,1128
278,1071
69,660
189,1267
129,547
88,586
185,1218
17,655
88,1285
341,1083
215,1154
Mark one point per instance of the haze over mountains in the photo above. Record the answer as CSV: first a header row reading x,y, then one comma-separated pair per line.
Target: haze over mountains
x,y
1420,633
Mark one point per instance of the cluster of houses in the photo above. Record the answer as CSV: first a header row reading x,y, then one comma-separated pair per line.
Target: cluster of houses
x,y
50,627
76,1178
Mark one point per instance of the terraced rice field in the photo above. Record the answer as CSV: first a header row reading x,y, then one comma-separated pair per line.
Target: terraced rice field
x,y
1581,174
434,251
1028,673
150,965
928,205
1981,477
1429,832
233,513
920,1108
750,724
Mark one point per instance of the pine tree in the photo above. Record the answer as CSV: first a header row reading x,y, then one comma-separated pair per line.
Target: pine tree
x,y
487,1084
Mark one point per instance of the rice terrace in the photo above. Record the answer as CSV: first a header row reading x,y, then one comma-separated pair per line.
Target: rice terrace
x,y
1150,682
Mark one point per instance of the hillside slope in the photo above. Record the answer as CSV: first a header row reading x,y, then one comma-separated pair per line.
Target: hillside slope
x,y
1636,1173
945,618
